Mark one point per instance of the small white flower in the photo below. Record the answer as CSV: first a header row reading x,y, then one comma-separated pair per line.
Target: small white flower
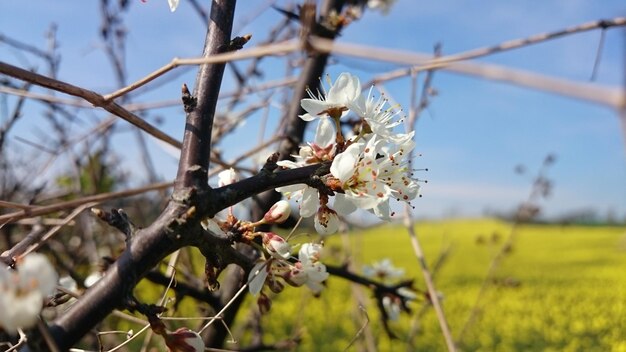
x,y
23,291
35,271
371,173
310,252
383,270
227,177
308,270
392,307
334,103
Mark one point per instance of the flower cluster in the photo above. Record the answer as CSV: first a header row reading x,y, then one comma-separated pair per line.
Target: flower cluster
x,y
367,170
277,266
306,270
23,291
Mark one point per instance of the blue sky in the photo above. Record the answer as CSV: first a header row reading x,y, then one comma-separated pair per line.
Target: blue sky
x,y
474,133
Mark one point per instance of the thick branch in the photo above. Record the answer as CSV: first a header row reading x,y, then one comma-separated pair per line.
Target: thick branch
x,y
147,248
197,139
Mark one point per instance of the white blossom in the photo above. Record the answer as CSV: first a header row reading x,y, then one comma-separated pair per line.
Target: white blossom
x,y
309,270
383,270
336,101
24,290
392,307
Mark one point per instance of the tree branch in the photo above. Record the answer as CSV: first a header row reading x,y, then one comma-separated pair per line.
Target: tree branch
x,y
194,159
92,97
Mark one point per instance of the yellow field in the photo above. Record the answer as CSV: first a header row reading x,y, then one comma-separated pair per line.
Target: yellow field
x,y
559,289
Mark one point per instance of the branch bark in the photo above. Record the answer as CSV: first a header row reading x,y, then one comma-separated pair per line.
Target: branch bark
x,y
194,159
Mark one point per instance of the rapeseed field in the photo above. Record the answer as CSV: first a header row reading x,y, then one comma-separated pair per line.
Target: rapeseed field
x,y
557,288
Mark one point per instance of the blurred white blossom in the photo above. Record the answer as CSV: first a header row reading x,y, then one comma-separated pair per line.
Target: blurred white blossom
x,y
383,270
24,290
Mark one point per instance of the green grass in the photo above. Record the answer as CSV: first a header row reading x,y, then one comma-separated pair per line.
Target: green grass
x,y
571,294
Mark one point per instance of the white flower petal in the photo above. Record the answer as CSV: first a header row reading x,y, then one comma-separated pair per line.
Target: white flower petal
x,y
173,4
19,310
345,90
256,281
313,107
343,165
291,188
310,202
325,133
343,205
35,269
326,222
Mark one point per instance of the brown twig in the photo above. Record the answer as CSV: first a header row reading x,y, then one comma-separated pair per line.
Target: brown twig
x,y
98,198
90,96
273,49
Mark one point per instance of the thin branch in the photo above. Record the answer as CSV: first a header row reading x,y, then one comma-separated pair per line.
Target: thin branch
x,y
98,198
432,291
596,62
267,50
408,221
48,235
612,97
523,42
90,96
25,47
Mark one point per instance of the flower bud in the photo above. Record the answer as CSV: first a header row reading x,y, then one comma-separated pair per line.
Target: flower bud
x,y
276,286
276,245
278,213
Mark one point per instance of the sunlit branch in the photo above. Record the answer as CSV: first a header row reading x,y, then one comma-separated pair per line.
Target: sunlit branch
x,y
90,96
612,97
47,209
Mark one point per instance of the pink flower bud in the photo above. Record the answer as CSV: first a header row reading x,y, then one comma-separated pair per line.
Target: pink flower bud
x,y
184,340
278,213
276,245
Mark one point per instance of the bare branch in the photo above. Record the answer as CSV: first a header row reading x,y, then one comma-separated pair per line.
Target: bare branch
x,y
612,97
90,96
194,159
97,198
